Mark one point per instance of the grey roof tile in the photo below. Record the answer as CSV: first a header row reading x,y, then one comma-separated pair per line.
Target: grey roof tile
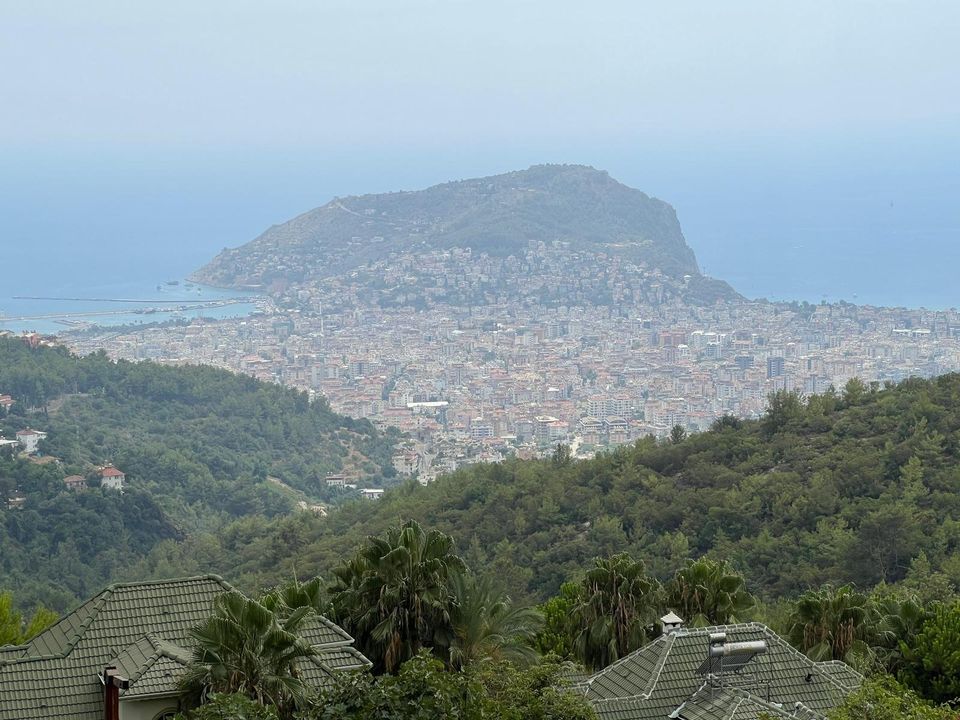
x,y
144,629
656,680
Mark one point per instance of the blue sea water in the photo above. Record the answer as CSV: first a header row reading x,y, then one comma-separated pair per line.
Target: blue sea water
x,y
119,303
875,221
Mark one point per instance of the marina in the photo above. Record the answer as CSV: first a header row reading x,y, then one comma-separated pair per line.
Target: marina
x,y
123,304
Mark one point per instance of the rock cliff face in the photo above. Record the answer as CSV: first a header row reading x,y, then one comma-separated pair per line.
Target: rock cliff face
x,y
577,207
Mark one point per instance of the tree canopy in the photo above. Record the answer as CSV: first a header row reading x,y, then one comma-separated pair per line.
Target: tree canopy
x,y
198,445
860,487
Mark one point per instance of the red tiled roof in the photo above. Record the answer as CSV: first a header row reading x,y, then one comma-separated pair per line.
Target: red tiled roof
x,y
110,472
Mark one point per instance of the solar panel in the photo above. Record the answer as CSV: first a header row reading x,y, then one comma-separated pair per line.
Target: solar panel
x,y
730,657
728,664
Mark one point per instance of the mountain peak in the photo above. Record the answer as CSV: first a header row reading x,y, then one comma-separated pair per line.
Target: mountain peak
x,y
581,207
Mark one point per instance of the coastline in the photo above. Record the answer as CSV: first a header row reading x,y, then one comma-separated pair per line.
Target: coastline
x,y
123,305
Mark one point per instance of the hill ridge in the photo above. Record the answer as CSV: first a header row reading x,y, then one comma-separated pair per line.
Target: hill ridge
x,y
501,215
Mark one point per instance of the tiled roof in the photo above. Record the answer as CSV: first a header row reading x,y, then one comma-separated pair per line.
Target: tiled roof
x,y
143,628
152,666
661,680
11,652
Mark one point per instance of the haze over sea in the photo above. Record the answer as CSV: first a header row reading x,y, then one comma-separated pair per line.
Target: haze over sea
x,y
875,222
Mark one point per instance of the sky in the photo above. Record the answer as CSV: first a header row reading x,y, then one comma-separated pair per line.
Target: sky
x,y
128,123
321,73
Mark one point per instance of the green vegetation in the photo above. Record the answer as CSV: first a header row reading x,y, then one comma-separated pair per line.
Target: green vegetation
x,y
423,690
487,624
231,706
932,664
833,624
62,546
15,629
834,519
394,596
197,446
882,698
477,663
615,609
857,487
449,644
246,648
706,592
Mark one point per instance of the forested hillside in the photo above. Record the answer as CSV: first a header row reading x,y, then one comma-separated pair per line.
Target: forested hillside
x,y
197,446
860,486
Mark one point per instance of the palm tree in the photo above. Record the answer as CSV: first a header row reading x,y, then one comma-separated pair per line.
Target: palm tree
x,y
394,596
706,592
616,610
896,621
245,648
284,599
832,624
487,625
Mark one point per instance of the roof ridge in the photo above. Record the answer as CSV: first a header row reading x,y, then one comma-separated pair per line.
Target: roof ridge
x,y
167,581
733,710
838,686
622,660
160,650
348,639
778,708
661,663
143,667
170,650
95,604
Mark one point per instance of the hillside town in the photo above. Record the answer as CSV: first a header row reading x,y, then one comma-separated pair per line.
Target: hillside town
x,y
475,359
27,443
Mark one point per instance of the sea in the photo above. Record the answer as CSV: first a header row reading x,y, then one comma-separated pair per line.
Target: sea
x,y
869,220
113,304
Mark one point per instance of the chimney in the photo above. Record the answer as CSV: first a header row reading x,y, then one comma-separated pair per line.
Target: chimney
x,y
671,622
113,683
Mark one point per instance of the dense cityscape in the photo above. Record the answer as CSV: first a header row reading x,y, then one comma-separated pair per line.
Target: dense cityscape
x,y
518,372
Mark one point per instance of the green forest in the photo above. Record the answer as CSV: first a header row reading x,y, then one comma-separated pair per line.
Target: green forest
x,y
859,486
197,446
833,519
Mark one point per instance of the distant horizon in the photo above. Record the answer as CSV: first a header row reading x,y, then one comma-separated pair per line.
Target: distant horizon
x,y
807,148
805,223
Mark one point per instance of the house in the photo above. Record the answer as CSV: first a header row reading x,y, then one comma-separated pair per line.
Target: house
x,y
29,439
8,444
122,653
736,672
75,482
16,502
336,480
406,462
371,493
111,478
6,402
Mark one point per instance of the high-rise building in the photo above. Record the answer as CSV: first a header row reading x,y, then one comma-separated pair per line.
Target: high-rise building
x,y
775,367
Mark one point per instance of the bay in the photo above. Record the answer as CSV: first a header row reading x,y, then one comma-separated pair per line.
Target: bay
x,y
874,222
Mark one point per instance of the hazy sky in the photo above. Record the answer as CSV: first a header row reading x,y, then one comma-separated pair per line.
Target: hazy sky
x,y
809,147
327,73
